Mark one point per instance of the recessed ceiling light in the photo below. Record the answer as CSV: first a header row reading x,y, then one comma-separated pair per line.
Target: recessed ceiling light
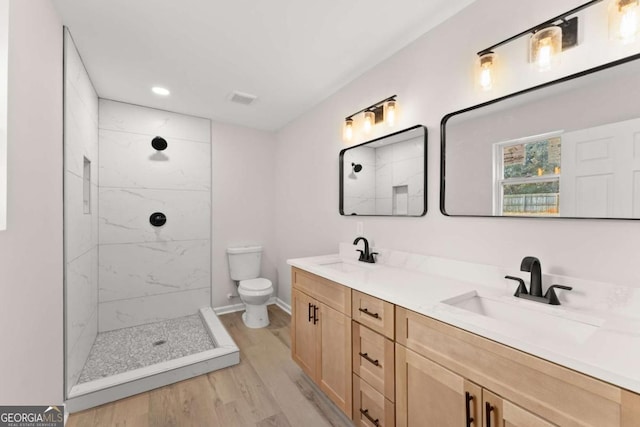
x,y
160,91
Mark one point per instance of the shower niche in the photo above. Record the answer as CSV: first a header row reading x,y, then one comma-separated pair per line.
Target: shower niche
x,y
137,288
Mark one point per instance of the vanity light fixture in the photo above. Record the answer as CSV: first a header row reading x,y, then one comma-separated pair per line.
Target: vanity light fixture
x,y
548,39
385,110
624,20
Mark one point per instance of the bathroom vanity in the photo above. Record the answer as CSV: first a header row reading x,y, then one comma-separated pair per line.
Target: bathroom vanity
x,y
425,341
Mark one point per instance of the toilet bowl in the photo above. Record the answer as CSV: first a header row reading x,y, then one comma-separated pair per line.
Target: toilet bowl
x,y
254,291
255,294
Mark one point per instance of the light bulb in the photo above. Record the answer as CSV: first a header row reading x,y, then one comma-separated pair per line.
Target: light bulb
x,y
486,70
348,129
369,118
625,20
391,112
544,54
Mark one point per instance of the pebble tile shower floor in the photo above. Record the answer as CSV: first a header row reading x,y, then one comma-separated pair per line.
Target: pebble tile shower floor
x,y
123,350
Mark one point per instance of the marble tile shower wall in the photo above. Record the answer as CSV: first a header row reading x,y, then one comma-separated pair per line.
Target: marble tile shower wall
x,y
360,187
399,165
149,273
80,218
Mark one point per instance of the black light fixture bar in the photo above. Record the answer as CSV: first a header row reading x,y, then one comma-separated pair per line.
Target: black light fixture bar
x,y
539,26
376,105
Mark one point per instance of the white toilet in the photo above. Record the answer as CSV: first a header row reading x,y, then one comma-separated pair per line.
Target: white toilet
x,y
254,291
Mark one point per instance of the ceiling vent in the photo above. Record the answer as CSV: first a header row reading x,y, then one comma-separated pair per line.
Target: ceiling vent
x,y
242,98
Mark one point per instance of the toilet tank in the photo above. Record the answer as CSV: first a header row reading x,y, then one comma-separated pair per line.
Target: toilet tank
x,y
244,262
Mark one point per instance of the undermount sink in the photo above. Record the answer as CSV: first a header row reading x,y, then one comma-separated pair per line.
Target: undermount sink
x,y
521,317
347,266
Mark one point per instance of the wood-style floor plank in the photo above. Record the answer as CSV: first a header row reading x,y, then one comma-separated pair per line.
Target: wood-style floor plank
x,y
266,389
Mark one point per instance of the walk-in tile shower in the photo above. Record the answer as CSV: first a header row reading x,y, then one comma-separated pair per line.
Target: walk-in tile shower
x,y
137,208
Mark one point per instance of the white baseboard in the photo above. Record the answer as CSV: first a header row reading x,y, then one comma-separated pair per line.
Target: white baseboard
x,y
240,307
283,305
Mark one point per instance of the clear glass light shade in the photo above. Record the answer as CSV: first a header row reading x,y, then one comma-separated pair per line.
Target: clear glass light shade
x,y
369,120
486,70
624,20
545,47
390,113
348,130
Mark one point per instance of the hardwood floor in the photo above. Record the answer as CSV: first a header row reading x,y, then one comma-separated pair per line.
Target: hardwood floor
x,y
265,389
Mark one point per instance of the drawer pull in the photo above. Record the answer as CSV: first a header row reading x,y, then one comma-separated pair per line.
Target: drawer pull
x,y
468,399
487,410
368,359
368,313
365,412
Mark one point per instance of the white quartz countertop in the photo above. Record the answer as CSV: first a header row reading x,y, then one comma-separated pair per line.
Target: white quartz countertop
x,y
591,336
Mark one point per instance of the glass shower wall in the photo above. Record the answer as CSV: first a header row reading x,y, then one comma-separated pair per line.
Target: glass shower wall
x,y
80,212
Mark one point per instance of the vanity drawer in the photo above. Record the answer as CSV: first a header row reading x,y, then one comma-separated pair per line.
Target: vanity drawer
x,y
374,359
370,408
555,393
332,294
373,313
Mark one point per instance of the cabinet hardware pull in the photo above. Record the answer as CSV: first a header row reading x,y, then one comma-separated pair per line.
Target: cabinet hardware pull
x,y
367,312
310,313
315,314
365,412
370,360
468,399
487,410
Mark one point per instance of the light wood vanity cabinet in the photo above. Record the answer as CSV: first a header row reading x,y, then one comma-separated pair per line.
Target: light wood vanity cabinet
x,y
520,389
321,334
443,376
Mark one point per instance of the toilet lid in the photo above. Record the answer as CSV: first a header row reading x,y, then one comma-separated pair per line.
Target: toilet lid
x,y
259,284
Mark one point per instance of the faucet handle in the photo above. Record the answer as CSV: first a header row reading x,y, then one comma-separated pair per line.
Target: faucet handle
x,y
371,256
522,289
551,294
361,254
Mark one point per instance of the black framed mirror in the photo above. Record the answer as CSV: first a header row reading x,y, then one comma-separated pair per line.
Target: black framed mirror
x,y
569,148
386,176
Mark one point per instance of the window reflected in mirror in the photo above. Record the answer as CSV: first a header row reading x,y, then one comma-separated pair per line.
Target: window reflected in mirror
x,y
565,149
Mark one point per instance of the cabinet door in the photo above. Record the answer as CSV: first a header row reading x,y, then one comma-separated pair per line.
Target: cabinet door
x,y
334,373
304,333
429,395
498,412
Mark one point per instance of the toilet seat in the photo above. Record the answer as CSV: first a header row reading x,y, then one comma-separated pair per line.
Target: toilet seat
x,y
259,284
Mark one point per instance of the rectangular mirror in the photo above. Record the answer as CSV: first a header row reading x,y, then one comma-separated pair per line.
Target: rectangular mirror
x,y
385,176
569,148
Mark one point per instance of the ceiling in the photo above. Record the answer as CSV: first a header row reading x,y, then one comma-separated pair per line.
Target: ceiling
x,y
291,54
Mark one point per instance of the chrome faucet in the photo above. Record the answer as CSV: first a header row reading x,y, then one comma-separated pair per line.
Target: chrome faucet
x,y
365,256
532,265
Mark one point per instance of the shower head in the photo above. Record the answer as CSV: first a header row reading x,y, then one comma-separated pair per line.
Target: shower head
x,y
356,167
159,143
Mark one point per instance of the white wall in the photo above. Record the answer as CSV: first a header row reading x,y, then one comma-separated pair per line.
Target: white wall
x,y
243,208
81,227
433,77
147,273
31,319
4,55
